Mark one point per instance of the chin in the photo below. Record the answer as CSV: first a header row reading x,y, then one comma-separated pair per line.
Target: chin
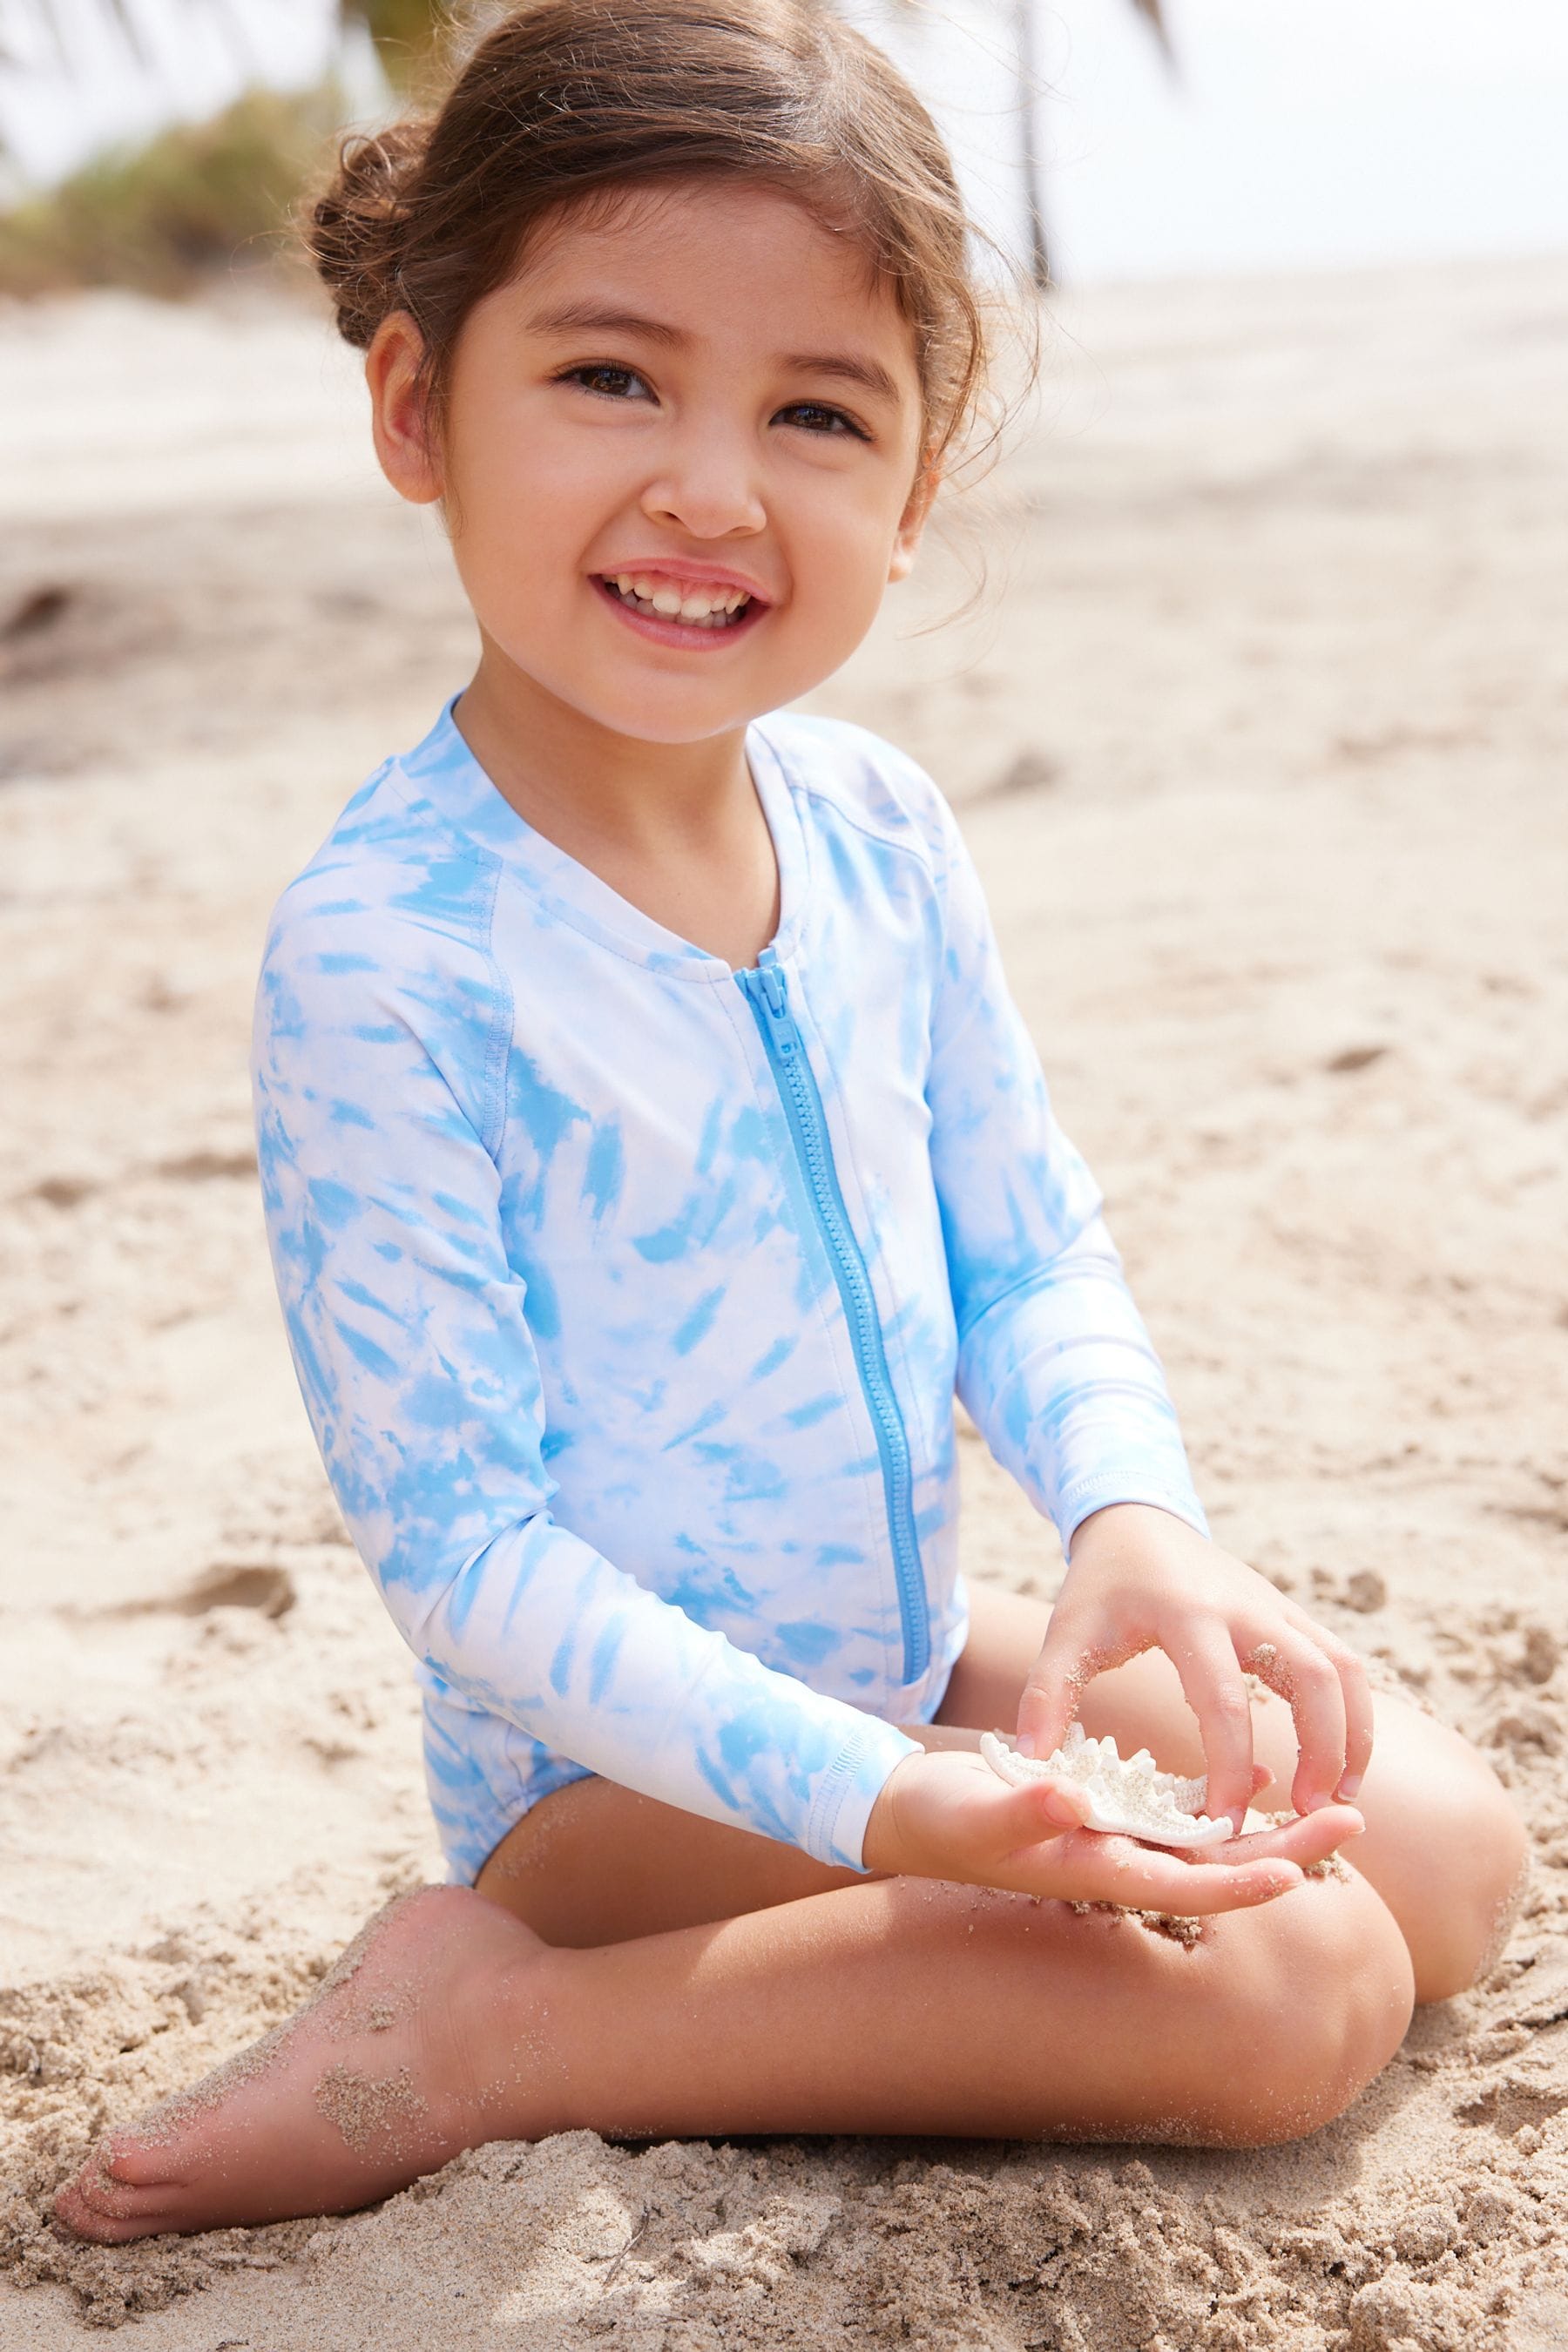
x,y
672,719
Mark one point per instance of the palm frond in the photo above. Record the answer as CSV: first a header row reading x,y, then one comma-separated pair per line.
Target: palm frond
x,y
11,14
1154,16
409,34
45,15
124,17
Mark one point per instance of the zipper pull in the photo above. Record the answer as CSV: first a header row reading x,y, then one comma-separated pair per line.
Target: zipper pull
x,y
774,995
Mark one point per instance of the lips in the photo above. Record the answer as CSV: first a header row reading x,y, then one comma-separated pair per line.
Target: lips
x,y
693,611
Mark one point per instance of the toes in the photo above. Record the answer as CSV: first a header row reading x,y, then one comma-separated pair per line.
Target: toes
x,y
83,2222
116,2202
101,2202
110,2215
136,2164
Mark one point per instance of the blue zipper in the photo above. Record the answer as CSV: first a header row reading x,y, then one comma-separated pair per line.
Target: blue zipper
x,y
767,994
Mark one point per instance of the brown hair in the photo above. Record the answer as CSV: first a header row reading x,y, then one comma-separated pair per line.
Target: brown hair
x,y
565,99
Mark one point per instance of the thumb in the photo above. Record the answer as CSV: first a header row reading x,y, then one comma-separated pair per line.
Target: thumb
x,y
1037,1810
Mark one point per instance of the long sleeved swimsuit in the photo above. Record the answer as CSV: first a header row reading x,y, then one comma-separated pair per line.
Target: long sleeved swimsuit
x,y
628,1294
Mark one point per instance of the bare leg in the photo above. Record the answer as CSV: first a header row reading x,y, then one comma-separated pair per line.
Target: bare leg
x,y
810,2001
907,2006
596,1863
898,2005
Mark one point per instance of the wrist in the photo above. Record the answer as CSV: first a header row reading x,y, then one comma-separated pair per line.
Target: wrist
x,y
1122,1527
884,1847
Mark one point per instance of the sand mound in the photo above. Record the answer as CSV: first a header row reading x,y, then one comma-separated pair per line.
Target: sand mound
x,y
1457,2249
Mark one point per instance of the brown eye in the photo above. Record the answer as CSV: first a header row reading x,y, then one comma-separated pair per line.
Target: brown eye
x,y
609,382
816,416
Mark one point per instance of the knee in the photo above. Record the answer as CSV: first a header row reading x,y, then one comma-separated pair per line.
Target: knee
x,y
1475,1862
1312,2005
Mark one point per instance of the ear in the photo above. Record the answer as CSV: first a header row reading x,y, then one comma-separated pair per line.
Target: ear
x,y
913,522
405,442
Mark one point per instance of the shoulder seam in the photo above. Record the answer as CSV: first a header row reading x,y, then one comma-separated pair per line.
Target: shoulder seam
x,y
916,847
474,851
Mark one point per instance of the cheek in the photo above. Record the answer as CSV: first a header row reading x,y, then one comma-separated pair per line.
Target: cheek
x,y
845,533
530,498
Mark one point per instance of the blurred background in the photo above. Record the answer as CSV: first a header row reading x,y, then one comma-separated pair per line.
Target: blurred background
x,y
1148,136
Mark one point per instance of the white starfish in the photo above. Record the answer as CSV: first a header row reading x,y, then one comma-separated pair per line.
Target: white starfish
x,y
1131,1794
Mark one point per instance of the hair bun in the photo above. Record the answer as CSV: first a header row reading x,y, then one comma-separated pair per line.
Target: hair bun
x,y
564,102
356,230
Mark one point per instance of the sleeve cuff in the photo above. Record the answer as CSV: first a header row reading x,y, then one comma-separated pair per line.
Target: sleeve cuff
x,y
849,1788
1081,1503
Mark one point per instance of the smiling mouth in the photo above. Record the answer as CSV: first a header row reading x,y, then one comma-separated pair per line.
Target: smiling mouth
x,y
713,609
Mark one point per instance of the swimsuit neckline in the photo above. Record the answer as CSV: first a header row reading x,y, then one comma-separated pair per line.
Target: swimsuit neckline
x,y
442,775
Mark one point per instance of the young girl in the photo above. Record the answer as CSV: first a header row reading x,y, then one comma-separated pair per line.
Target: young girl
x,y
650,1148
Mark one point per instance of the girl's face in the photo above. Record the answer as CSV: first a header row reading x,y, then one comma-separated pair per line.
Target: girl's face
x,y
680,459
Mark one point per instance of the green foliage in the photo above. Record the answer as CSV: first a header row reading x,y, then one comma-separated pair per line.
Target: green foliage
x,y
200,198
404,31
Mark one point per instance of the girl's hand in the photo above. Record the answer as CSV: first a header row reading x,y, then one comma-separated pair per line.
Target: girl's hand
x,y
1142,1580
946,1814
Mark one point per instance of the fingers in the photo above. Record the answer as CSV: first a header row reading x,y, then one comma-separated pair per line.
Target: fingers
x,y
1359,1724
1214,1689
1110,1869
1036,1842
1051,1694
1095,1866
1355,1692
1310,1838
1325,1686
1200,1893
1300,1672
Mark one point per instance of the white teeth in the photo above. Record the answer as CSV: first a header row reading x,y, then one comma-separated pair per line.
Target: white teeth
x,y
697,608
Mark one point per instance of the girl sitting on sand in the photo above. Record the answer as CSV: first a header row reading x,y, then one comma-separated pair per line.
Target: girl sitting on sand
x,y
650,1148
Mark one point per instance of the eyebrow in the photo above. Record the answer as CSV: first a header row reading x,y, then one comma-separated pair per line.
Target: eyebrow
x,y
870,374
572,318
578,317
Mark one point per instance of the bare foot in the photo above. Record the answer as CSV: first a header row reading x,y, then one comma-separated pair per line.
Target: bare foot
x,y
423,2041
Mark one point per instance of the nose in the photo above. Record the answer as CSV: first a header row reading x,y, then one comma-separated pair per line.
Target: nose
x,y
709,482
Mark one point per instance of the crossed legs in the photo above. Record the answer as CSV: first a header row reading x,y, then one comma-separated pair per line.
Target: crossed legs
x,y
626,1968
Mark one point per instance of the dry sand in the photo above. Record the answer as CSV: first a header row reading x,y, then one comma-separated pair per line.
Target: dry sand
x,y
1259,746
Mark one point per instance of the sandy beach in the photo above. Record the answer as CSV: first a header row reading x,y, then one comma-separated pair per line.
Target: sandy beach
x,y
1256,734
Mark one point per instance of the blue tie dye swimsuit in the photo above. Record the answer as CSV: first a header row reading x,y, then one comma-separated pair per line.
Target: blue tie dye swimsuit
x,y
629,1294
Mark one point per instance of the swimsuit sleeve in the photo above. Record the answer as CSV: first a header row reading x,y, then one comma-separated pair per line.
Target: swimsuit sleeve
x,y
376,1082
1054,1364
